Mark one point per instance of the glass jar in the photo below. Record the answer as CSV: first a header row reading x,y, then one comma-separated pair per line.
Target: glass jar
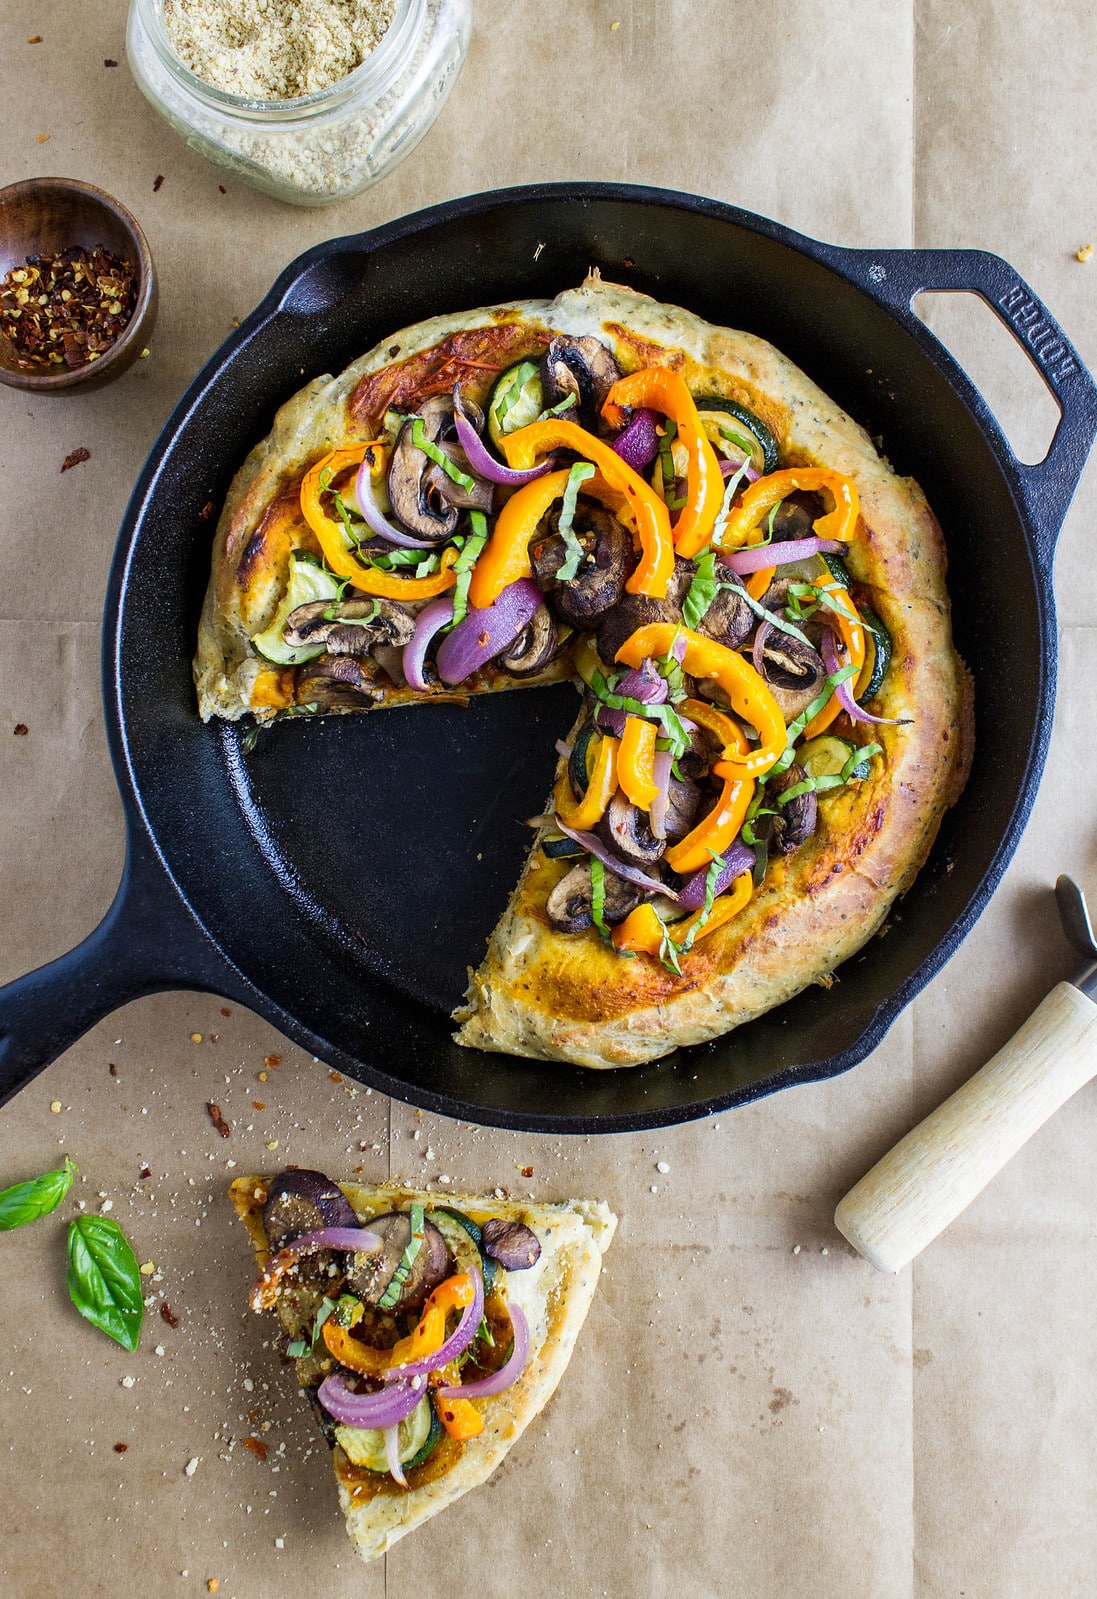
x,y
324,146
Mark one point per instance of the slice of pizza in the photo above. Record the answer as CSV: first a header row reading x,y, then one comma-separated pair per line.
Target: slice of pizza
x,y
428,1330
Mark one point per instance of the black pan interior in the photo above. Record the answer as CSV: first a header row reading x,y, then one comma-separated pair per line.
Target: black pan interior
x,y
352,868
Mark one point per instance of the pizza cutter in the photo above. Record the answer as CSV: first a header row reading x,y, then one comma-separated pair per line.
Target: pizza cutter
x,y
936,1171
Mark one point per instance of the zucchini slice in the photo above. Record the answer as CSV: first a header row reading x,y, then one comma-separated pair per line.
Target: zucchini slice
x,y
464,1239
561,848
877,654
308,581
516,400
736,422
365,1446
828,756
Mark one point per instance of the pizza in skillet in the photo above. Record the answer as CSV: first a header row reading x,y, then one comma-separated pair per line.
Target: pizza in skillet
x,y
750,601
428,1330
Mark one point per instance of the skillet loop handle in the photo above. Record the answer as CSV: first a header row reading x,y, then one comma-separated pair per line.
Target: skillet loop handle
x,y
145,942
897,276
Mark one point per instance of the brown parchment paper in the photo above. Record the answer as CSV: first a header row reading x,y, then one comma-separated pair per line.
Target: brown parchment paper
x,y
751,1411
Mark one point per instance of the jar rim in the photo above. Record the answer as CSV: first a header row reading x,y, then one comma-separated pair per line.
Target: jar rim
x,y
373,76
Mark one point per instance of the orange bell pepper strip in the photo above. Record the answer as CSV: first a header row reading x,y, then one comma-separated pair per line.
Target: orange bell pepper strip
x,y
758,582
747,693
426,1337
853,637
729,735
370,579
352,1353
636,761
655,567
761,497
459,1417
505,557
588,812
642,930
658,388
716,831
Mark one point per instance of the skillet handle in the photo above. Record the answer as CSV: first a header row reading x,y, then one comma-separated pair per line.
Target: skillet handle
x,y
146,942
936,1171
897,276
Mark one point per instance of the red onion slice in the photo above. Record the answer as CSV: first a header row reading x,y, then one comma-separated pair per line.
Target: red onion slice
x,y
508,1372
729,468
644,684
457,1342
844,691
392,1454
378,521
632,874
657,810
757,650
351,1239
386,1408
610,721
484,464
638,443
431,619
737,859
483,634
757,556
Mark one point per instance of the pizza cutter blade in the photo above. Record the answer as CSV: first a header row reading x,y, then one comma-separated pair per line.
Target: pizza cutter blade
x,y
935,1172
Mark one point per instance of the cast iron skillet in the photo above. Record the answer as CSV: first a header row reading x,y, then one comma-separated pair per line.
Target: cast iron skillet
x,y
339,878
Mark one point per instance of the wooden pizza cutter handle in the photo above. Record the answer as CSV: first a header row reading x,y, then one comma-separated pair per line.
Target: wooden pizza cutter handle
x,y
935,1172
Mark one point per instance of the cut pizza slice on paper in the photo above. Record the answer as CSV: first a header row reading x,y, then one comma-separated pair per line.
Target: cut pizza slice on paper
x,y
428,1330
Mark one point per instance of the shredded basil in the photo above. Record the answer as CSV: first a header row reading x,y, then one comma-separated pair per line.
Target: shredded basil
x,y
740,443
353,537
767,615
668,952
302,1346
578,474
670,670
598,896
332,615
666,457
703,589
439,456
796,727
711,876
558,410
417,1218
829,780
730,491
470,554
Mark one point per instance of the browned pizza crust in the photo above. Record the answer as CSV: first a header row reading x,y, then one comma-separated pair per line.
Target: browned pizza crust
x,y
555,1295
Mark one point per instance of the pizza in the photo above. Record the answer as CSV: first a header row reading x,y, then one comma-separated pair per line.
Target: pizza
x,y
427,1330
751,603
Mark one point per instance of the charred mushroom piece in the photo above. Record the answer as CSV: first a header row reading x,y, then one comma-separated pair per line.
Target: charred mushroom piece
x,y
793,670
627,831
729,620
795,517
584,368
794,823
415,500
534,647
683,803
439,486
372,1274
303,1201
637,610
350,628
338,682
600,579
569,904
514,1245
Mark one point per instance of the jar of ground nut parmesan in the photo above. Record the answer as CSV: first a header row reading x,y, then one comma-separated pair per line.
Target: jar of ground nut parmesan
x,y
311,102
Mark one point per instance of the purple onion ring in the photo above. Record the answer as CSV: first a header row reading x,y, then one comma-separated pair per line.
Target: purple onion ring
x,y
508,1373
484,464
632,874
378,521
431,619
638,443
755,557
483,634
844,692
737,859
457,1342
386,1408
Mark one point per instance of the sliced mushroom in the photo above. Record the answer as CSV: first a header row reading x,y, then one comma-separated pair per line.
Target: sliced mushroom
x,y
729,620
637,610
627,831
793,823
338,682
438,485
582,367
372,1274
599,581
569,904
683,803
417,503
350,628
514,1245
534,647
794,518
793,670
303,1201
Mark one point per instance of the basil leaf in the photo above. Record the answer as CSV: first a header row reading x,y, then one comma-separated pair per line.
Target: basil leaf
x,y
717,866
417,1221
104,1280
297,1349
668,953
578,474
666,456
558,410
27,1201
766,615
439,456
470,554
598,896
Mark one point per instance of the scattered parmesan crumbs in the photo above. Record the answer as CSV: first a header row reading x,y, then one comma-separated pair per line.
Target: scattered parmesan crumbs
x,y
661,1165
128,1382
275,49
1085,253
191,1466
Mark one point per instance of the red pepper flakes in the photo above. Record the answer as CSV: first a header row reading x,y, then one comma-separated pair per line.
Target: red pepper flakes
x,y
217,1119
35,38
112,1068
257,1446
20,729
166,1314
74,458
527,1171
145,1170
157,182
120,1449
203,516
68,309
270,1061
258,1104
109,63
225,1011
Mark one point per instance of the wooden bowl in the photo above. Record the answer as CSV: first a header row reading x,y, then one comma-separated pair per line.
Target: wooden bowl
x,y
43,216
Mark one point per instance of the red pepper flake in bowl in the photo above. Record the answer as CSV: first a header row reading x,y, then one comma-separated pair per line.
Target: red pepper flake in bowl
x,y
66,310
